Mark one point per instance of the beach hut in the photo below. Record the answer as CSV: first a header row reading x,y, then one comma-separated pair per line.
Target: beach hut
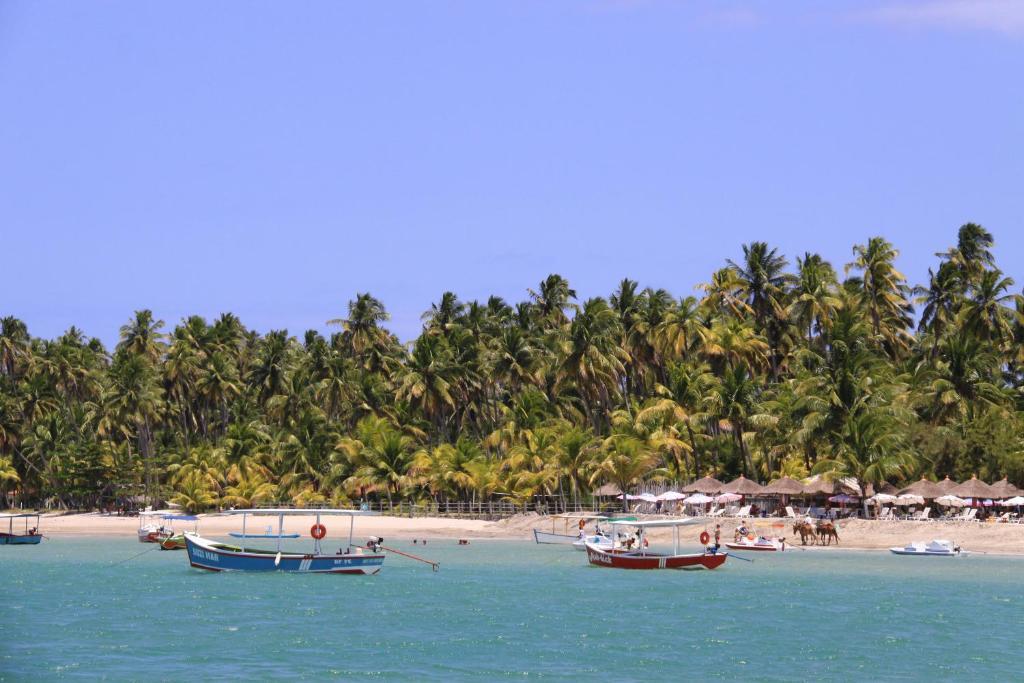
x,y
973,488
819,487
1005,489
947,484
608,491
743,486
706,485
783,487
923,488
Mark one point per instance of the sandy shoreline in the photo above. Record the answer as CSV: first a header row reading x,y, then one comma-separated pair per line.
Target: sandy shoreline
x,y
994,538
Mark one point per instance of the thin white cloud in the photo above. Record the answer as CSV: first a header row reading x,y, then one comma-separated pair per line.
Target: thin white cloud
x,y
1000,16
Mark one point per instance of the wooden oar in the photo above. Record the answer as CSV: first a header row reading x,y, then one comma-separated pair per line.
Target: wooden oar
x,y
434,565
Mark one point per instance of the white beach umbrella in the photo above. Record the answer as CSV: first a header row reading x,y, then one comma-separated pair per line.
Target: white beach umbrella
x,y
728,498
882,498
951,501
698,499
672,495
909,499
1013,502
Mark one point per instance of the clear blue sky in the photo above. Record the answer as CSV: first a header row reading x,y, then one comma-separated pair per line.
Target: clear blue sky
x,y
273,158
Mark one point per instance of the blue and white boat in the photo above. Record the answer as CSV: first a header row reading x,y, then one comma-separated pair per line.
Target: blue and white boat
x,y
212,555
31,535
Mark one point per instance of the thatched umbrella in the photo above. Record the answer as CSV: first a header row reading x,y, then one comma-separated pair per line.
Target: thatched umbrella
x,y
1004,489
974,488
947,484
819,487
608,491
784,487
743,486
923,488
706,485
885,487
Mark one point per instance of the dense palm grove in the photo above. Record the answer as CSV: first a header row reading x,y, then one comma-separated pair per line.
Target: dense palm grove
x,y
776,368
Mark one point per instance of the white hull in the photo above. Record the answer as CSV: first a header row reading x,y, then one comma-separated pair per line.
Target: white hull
x,y
602,542
928,553
933,549
554,539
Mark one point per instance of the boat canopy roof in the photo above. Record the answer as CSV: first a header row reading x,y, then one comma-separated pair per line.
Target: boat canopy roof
x,y
580,515
181,518
649,523
305,512
21,515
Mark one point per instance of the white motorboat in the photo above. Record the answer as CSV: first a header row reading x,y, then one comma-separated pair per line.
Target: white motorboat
x,y
936,548
597,540
757,544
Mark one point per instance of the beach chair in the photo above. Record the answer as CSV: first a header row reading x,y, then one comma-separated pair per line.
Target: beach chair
x,y
1005,517
744,511
971,515
790,513
921,516
885,515
717,512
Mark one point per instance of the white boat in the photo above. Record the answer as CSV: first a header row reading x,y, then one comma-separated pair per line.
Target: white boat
x,y
151,527
758,544
579,520
936,548
597,540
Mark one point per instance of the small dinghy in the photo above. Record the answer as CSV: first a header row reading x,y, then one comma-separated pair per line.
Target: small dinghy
x,y
936,548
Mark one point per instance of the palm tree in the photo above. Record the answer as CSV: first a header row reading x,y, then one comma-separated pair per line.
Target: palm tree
x,y
361,330
871,448
592,360
551,300
626,460
814,298
986,313
142,336
884,293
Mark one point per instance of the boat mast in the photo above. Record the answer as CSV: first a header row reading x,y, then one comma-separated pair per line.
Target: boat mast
x,y
280,530
316,541
244,516
351,528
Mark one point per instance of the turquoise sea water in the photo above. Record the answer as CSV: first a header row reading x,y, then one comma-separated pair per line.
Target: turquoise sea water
x,y
73,608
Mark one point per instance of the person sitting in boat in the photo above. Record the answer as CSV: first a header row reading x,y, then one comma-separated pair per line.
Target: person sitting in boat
x,y
741,531
32,531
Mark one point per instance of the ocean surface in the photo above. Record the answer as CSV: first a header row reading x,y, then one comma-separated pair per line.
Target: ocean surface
x,y
95,609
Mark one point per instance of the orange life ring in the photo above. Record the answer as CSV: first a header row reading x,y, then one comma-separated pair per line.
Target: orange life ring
x,y
750,537
582,524
704,537
318,531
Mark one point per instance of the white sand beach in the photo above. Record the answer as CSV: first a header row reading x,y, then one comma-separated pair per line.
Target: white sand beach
x,y
853,534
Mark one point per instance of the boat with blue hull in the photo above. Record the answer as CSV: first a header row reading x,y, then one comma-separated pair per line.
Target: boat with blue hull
x,y
30,537
215,556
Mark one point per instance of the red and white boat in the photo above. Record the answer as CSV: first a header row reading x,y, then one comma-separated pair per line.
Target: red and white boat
x,y
643,558
758,544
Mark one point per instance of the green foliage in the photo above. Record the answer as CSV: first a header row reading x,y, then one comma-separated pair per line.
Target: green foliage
x,y
770,371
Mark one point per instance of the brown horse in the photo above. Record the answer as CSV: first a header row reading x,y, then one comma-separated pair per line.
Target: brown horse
x,y
826,532
805,530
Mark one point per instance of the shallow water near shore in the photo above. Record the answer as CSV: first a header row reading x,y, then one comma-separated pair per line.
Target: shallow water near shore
x,y
80,608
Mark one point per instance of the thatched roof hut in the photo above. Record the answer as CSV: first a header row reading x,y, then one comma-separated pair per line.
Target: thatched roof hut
x,y
1004,489
608,491
884,487
817,486
974,488
947,485
706,485
784,487
743,486
924,488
